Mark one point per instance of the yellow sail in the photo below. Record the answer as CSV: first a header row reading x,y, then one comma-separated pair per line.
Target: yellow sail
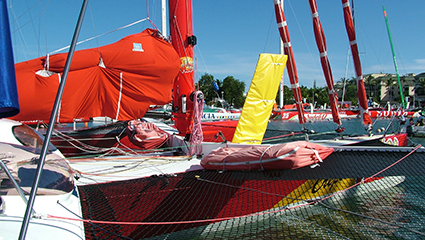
x,y
260,99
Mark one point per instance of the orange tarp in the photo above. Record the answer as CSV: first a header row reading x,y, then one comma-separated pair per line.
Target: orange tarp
x,y
137,71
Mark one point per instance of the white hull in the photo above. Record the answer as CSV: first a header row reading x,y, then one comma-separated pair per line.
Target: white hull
x,y
43,227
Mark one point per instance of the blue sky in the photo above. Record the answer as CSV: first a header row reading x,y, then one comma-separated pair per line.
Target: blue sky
x,y
232,33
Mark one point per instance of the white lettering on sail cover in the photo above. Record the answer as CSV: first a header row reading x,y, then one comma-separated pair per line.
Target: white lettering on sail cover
x,y
137,47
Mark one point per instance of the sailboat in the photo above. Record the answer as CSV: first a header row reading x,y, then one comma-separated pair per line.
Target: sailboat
x,y
161,196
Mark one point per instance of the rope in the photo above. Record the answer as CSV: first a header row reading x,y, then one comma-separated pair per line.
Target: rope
x,y
197,137
119,98
121,148
130,166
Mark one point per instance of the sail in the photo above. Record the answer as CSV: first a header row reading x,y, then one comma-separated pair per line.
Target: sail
x,y
291,68
183,40
361,91
324,60
9,104
260,99
120,80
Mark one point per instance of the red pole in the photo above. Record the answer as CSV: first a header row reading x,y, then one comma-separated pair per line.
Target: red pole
x,y
326,66
183,40
290,64
361,91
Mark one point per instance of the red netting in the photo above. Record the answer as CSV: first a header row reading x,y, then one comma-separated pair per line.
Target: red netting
x,y
216,205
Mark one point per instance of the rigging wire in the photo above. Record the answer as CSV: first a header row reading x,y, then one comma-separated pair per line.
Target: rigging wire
x,y
28,9
25,50
94,30
304,38
103,34
31,19
268,32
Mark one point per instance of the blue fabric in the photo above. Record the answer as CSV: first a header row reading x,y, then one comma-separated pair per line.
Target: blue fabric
x,y
215,86
9,104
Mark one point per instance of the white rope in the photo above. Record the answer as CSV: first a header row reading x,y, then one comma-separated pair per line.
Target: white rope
x,y
60,103
261,157
119,98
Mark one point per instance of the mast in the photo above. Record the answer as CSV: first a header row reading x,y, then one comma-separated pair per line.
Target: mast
x,y
281,88
361,91
183,40
291,68
164,17
324,60
394,59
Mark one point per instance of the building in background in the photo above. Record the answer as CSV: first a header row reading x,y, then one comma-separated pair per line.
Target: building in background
x,y
383,88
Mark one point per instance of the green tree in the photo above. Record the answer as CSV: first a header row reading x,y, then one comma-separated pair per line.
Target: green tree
x,y
420,85
321,96
351,91
207,87
233,90
306,94
288,96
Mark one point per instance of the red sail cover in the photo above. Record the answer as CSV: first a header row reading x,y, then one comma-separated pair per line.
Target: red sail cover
x,y
361,91
119,80
326,67
290,65
181,32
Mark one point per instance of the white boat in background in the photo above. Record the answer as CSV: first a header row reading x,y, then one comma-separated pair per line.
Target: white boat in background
x,y
219,114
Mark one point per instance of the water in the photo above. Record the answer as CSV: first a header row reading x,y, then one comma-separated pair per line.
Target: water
x,y
395,212
284,131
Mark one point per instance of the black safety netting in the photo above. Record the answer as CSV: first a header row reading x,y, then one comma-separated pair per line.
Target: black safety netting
x,y
351,195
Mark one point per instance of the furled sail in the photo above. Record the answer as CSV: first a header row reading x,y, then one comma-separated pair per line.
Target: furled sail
x,y
324,60
183,40
361,91
291,68
9,105
120,80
